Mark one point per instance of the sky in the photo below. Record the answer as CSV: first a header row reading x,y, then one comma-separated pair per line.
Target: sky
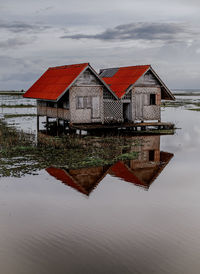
x,y
37,34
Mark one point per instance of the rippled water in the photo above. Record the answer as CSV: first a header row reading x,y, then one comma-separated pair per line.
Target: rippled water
x,y
137,217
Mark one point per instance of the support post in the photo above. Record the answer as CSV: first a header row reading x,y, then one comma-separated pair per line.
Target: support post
x,y
38,123
57,126
47,123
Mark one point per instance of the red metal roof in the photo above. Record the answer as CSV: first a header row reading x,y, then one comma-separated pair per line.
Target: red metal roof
x,y
124,77
54,82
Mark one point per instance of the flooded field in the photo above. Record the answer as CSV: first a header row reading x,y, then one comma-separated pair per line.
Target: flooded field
x,y
111,204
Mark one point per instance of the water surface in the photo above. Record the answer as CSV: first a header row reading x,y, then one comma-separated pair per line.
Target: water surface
x,y
135,216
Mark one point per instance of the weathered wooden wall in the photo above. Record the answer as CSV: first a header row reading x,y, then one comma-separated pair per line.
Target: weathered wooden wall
x,y
87,78
147,80
53,112
86,115
87,85
141,108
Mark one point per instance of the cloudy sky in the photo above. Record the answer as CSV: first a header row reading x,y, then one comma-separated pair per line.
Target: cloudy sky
x,y
36,34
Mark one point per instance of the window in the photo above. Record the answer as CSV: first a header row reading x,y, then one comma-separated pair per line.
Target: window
x,y
88,102
51,104
152,99
83,102
151,155
80,104
66,105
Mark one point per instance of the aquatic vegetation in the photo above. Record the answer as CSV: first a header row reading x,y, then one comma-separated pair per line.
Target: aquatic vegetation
x,y
21,154
194,109
181,103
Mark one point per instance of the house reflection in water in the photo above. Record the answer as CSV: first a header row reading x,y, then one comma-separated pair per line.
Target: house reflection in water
x,y
141,171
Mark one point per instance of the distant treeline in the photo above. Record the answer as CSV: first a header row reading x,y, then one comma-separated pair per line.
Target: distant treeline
x,y
11,92
186,92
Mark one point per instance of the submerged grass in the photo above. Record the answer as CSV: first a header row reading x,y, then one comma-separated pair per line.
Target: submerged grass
x,y
21,154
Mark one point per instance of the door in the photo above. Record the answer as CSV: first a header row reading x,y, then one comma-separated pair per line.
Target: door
x,y
95,107
126,112
139,100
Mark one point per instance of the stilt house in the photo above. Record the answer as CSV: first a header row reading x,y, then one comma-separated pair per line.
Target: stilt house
x,y
140,91
74,93
77,94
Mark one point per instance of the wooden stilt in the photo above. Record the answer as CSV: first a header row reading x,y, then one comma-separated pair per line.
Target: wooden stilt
x,y
38,123
57,126
47,123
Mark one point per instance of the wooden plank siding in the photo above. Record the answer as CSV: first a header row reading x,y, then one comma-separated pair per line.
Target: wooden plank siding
x,y
86,114
141,107
147,80
53,112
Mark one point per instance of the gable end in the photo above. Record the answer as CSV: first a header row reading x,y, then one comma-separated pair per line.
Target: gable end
x,y
148,79
87,78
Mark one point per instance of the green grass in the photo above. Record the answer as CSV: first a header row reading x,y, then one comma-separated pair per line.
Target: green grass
x,y
194,109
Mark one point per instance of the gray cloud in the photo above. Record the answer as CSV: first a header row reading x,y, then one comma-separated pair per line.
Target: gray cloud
x,y
13,43
170,32
44,9
151,38
18,27
21,76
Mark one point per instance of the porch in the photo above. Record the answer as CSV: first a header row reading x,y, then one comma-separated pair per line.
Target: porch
x,y
135,128
53,112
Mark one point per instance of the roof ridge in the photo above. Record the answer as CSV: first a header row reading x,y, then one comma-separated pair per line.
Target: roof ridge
x,y
126,67
65,66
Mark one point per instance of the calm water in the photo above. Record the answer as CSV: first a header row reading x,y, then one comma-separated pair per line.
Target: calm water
x,y
139,216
